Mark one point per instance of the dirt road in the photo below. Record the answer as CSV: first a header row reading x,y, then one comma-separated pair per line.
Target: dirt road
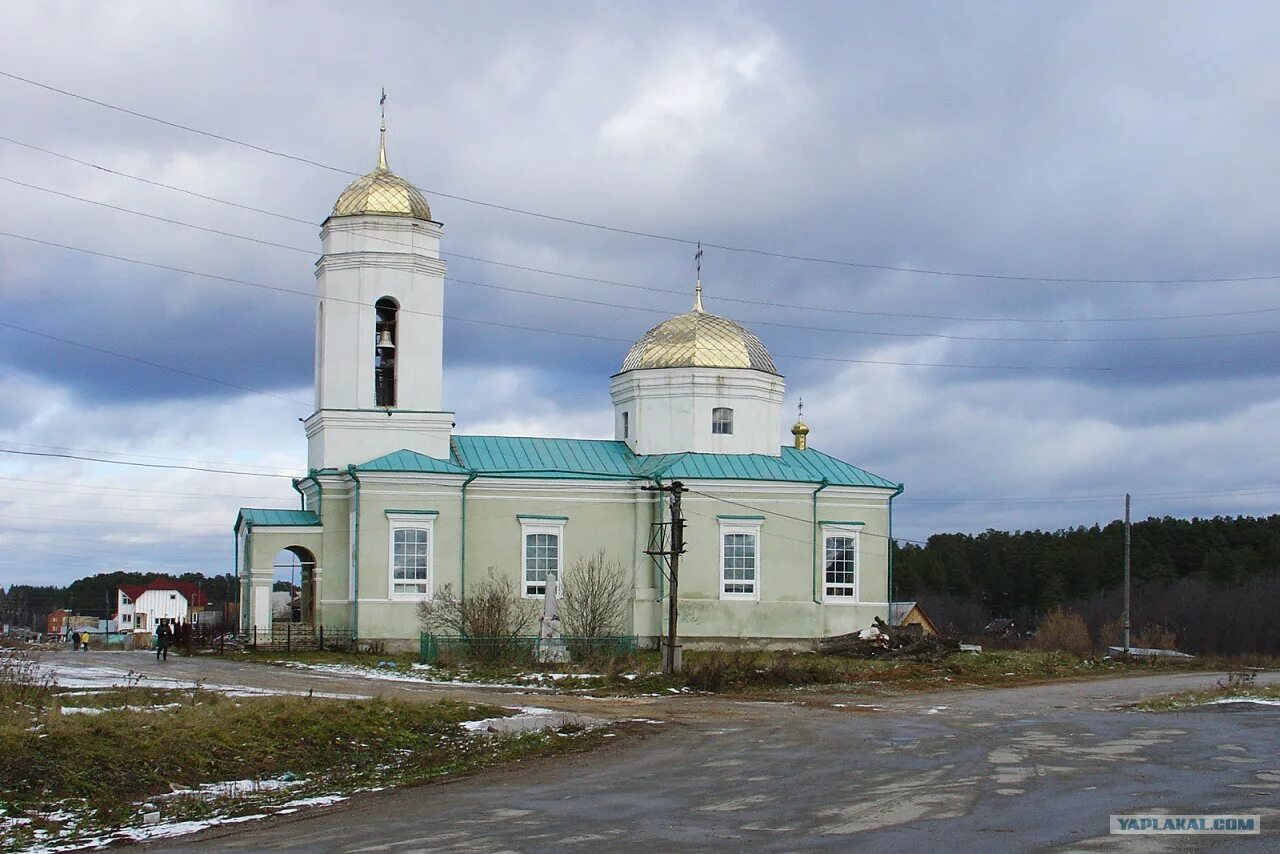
x,y
969,770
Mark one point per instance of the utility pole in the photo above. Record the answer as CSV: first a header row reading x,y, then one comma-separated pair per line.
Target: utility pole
x,y
671,651
1127,530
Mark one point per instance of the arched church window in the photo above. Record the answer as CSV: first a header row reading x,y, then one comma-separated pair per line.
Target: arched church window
x,y
626,425
387,313
722,420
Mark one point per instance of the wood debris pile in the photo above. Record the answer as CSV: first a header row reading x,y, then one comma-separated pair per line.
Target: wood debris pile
x,y
907,643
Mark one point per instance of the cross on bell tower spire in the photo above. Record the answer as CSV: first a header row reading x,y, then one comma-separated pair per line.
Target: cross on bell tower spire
x,y
697,286
382,139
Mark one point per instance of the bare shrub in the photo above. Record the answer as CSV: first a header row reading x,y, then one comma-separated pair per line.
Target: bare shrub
x,y
492,609
24,689
1111,633
1062,631
597,591
1155,636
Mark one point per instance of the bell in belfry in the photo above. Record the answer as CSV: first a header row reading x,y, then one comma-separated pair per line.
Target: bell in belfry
x,y
384,340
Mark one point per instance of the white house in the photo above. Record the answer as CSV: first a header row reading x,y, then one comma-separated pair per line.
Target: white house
x,y
143,607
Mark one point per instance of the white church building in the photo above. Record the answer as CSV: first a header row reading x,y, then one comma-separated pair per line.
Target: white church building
x,y
784,544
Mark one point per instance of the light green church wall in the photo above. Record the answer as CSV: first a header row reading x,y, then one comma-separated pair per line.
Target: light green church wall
x,y
615,517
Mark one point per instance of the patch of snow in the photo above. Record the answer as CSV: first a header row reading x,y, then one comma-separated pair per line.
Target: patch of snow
x,y
234,788
98,677
356,672
1260,701
529,719
936,710
97,710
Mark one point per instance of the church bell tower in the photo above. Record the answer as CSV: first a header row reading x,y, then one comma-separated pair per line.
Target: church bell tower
x,y
379,325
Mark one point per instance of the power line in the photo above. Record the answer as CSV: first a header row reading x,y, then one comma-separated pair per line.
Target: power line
x,y
649,234
44,485
614,305
526,328
827,309
137,464
787,516
141,361
185,460
1099,498
118,523
160,184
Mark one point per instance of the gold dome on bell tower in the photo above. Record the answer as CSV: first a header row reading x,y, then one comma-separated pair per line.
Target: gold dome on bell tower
x,y
382,192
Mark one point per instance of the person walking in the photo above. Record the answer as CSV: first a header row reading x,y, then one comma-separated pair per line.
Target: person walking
x,y
164,637
84,641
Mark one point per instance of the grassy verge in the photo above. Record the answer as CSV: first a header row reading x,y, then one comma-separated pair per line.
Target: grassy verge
x,y
1220,694
767,672
65,777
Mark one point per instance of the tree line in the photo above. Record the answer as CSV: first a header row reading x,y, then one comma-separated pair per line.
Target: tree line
x,y
1214,582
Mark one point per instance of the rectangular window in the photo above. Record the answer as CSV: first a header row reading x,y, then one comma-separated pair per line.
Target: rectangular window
x,y
740,562
411,558
626,425
541,553
840,564
722,420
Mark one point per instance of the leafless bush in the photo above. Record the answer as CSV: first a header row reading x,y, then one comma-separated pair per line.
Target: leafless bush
x,y
24,689
1062,631
596,593
492,609
1156,636
1238,680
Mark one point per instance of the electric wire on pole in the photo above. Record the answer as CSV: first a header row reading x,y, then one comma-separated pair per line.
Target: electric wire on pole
x,y
660,549
1127,531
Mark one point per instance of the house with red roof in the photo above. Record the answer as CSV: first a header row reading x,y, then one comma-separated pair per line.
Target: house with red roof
x,y
143,607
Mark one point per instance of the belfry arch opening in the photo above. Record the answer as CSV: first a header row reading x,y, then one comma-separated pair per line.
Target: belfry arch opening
x,y
386,340
293,588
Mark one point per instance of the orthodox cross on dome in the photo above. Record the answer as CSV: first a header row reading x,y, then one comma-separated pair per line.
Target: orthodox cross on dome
x,y
382,139
800,410
697,286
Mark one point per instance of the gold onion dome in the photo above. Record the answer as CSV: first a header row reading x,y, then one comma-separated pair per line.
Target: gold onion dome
x,y
698,339
382,193
800,431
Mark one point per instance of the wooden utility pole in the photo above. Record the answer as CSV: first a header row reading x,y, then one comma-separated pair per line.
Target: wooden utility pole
x,y
1127,530
670,652
671,661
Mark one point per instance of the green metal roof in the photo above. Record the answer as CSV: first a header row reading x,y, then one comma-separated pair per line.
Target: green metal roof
x,y
595,459
272,518
514,456
598,459
411,461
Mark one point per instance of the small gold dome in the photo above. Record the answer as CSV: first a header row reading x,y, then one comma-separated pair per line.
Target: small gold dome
x,y
698,340
382,193
800,431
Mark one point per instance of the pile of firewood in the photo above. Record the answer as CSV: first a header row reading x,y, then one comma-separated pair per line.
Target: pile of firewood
x,y
908,643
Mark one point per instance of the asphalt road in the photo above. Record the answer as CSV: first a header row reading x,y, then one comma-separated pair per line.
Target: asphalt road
x,y
1031,768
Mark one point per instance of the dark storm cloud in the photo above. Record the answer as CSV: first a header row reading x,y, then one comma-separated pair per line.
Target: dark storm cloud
x,y
1081,140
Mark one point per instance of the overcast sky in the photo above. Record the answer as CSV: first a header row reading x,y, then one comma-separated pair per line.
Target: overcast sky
x,y
1051,140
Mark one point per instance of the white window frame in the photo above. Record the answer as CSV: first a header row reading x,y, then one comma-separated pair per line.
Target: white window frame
x,y
740,526
714,411
534,525
411,522
849,532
